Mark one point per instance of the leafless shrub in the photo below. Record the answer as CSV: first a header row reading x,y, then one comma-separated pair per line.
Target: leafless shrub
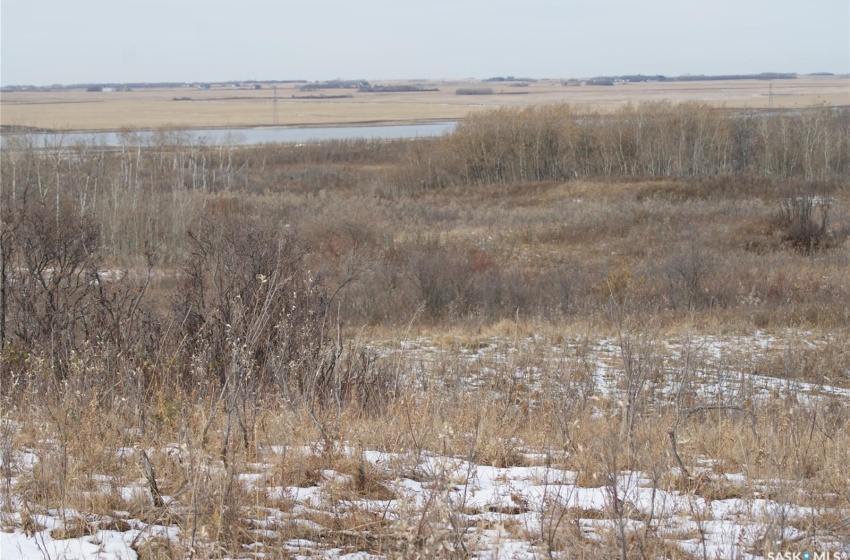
x,y
687,272
60,300
805,220
261,322
444,279
54,281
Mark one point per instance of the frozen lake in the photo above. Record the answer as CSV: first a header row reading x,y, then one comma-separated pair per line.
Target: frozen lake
x,y
239,136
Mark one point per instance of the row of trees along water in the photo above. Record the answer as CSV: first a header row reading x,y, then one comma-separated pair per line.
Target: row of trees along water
x,y
657,139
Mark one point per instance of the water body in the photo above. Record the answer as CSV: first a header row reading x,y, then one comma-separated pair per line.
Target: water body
x,y
241,136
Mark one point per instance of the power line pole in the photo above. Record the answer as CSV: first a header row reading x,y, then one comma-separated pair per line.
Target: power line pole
x,y
275,105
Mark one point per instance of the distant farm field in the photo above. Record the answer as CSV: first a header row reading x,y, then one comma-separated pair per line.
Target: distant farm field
x,y
226,107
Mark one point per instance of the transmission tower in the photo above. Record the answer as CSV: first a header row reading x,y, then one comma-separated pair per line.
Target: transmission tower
x,y
274,105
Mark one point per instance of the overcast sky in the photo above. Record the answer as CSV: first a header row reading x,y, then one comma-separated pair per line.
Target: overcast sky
x,y
84,41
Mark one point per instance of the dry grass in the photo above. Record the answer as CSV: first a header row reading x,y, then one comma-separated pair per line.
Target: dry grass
x,y
358,498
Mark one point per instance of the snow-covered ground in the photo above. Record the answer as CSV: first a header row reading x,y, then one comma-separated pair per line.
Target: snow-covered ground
x,y
505,512
495,513
717,367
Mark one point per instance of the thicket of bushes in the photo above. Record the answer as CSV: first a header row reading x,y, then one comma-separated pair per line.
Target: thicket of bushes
x,y
649,140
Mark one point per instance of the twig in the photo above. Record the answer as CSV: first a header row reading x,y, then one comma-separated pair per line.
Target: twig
x,y
685,474
151,476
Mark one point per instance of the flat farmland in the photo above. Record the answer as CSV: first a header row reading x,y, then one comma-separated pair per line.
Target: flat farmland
x,y
232,107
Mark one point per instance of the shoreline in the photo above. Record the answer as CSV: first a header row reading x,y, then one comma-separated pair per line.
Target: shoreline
x,y
6,129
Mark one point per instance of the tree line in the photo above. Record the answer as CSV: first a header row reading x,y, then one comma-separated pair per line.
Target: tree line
x,y
657,139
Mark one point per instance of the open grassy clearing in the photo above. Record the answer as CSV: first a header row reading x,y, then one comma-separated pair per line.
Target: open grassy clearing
x,y
236,107
546,335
